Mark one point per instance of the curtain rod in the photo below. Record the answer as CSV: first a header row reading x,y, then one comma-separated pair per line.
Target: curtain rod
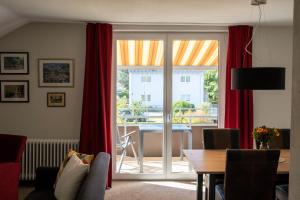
x,y
170,31
153,26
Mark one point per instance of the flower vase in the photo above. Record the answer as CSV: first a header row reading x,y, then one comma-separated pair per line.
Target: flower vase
x,y
264,146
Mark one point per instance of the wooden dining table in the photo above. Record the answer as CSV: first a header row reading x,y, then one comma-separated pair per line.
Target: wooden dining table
x,y
213,162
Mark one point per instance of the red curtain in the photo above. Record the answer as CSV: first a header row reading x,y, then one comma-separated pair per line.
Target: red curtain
x,y
239,104
95,133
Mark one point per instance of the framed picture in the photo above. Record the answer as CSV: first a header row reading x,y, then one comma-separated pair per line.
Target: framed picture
x,y
56,72
56,99
14,63
14,91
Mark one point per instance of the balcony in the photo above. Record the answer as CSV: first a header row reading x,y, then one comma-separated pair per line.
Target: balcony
x,y
153,160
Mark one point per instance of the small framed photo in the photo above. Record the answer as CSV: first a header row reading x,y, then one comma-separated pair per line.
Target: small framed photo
x,y
14,63
56,99
56,72
14,91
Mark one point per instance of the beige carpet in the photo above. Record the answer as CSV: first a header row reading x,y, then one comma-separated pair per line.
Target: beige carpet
x,y
149,190
142,190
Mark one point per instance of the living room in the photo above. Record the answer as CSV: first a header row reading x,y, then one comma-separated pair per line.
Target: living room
x,y
145,82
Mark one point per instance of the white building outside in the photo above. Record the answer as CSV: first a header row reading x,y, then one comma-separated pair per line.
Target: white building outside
x,y
147,86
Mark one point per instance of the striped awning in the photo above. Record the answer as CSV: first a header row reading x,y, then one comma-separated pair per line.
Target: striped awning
x,y
150,53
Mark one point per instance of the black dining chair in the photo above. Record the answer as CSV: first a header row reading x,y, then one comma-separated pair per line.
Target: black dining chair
x,y
249,175
280,142
218,138
282,192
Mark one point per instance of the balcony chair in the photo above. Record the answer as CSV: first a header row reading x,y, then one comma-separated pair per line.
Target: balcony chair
x,y
218,138
11,148
249,175
123,142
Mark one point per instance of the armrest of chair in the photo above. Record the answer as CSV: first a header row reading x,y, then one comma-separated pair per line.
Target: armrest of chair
x,y
128,134
45,177
9,181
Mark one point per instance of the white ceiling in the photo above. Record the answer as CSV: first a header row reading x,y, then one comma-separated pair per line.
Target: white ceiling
x,y
216,12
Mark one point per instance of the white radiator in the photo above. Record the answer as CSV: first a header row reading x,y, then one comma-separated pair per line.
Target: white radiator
x,y
44,153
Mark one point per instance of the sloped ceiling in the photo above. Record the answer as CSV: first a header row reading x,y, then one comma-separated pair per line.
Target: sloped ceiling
x,y
10,21
216,12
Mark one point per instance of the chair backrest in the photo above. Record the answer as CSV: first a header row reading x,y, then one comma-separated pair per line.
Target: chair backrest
x,y
12,147
118,138
93,187
282,141
250,174
221,138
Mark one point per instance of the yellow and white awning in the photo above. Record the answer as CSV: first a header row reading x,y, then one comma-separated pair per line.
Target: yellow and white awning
x,y
150,53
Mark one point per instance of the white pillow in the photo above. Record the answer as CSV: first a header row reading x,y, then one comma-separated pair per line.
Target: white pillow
x,y
70,180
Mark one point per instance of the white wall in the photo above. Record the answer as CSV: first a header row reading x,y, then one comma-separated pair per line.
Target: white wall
x,y
272,47
35,119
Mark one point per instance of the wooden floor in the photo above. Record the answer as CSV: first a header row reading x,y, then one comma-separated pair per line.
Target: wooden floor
x,y
152,165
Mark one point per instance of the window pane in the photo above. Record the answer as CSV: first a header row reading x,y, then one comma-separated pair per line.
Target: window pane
x,y
194,94
139,105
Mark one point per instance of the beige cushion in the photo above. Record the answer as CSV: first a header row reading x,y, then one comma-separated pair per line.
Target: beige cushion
x,y
86,159
71,179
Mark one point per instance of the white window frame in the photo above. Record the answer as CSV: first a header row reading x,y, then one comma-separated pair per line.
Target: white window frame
x,y
131,33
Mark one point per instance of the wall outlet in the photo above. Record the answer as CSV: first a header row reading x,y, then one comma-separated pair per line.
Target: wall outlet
x,y
258,2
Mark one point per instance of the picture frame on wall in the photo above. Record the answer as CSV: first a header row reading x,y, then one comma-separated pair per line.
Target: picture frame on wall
x,y
14,63
56,72
56,99
14,91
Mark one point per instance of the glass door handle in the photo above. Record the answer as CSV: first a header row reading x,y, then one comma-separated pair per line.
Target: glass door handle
x,y
169,118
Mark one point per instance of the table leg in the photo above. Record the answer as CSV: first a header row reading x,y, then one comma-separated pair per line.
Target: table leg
x,y
190,140
181,145
141,151
190,145
199,186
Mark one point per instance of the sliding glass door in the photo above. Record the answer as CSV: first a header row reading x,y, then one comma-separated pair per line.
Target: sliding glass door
x,y
166,91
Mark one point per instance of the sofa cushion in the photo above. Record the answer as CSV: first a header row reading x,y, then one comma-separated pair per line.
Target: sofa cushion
x,y
86,159
71,179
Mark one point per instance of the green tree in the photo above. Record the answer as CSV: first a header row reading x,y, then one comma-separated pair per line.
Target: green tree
x,y
122,105
211,85
180,108
137,110
123,83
